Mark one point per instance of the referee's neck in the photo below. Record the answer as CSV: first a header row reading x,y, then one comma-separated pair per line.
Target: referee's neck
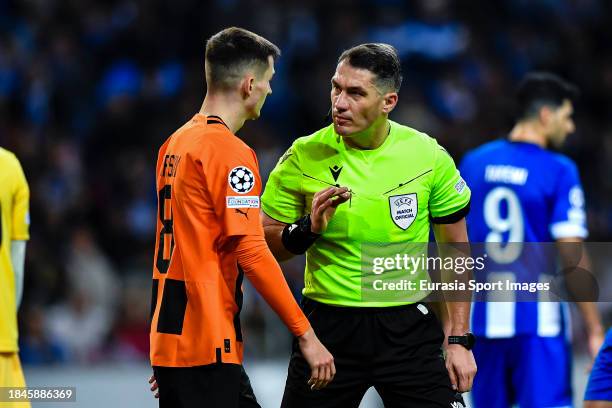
x,y
372,137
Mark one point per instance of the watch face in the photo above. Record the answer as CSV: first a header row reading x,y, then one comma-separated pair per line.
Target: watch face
x,y
471,340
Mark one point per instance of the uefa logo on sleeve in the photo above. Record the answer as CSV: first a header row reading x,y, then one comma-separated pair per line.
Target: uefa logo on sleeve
x,y
241,179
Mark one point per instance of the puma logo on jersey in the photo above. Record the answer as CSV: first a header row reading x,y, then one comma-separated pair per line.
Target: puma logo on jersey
x,y
246,214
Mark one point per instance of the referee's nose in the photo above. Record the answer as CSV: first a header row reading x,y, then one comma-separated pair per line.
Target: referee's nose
x,y
341,103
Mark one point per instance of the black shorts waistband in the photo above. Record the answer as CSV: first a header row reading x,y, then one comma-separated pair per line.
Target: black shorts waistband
x,y
309,303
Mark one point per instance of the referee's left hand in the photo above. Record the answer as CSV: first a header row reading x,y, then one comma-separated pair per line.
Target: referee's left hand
x,y
461,367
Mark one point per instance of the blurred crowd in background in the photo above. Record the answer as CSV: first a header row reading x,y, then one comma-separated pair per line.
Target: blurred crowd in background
x,y
89,90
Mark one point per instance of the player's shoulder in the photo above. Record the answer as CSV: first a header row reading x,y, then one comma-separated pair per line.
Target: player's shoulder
x,y
562,160
7,155
8,160
551,160
487,149
221,140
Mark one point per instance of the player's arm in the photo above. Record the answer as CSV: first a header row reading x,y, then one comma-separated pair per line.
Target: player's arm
x,y
575,259
20,230
597,404
18,250
568,228
265,274
245,237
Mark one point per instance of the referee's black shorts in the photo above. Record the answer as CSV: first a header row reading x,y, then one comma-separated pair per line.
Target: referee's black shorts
x,y
214,386
397,350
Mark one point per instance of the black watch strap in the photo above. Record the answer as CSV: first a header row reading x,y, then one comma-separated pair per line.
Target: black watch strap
x,y
467,340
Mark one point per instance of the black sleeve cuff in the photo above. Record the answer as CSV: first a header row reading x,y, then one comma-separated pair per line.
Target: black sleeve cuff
x,y
452,218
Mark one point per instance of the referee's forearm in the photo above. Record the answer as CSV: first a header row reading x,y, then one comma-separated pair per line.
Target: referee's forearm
x,y
273,238
455,244
273,231
459,316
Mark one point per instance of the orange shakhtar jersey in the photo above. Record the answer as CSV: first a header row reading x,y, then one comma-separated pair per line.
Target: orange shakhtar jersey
x,y
208,187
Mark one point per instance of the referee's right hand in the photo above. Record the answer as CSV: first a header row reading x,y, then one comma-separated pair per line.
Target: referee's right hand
x,y
324,204
320,360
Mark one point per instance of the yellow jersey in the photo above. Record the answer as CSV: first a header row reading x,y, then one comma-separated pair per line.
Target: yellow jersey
x,y
14,225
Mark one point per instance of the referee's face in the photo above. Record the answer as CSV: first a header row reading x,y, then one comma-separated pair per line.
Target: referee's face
x,y
356,102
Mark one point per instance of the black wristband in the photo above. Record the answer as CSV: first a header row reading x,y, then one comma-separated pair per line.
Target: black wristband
x,y
467,340
298,237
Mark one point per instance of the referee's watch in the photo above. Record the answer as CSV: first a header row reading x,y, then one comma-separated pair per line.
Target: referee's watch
x,y
467,340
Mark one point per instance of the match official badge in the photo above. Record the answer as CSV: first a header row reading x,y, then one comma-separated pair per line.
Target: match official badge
x,y
241,179
404,209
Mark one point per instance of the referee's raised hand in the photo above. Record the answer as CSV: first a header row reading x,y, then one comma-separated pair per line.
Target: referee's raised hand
x,y
324,204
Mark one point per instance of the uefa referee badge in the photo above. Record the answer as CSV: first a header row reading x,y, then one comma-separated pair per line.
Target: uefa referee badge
x,y
404,209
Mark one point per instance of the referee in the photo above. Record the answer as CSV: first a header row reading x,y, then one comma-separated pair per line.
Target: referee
x,y
394,346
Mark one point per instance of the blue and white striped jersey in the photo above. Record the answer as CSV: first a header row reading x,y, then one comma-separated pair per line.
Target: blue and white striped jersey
x,y
521,193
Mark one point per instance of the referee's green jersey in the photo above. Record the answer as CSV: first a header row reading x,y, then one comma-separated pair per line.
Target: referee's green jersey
x,y
398,189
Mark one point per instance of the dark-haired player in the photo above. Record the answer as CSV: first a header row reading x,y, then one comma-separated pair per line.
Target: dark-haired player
x,y
523,192
208,223
400,182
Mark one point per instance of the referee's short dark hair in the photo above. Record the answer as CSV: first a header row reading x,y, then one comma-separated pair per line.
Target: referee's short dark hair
x,y
232,51
380,59
539,89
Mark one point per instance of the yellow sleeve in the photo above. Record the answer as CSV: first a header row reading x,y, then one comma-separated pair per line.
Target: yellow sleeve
x,y
21,207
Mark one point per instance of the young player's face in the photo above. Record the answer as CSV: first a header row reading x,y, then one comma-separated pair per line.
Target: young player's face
x,y
561,124
356,102
261,89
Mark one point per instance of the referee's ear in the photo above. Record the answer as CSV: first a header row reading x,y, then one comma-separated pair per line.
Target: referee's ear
x,y
389,102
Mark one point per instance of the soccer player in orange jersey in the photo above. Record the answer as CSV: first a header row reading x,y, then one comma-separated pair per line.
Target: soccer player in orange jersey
x,y
208,223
